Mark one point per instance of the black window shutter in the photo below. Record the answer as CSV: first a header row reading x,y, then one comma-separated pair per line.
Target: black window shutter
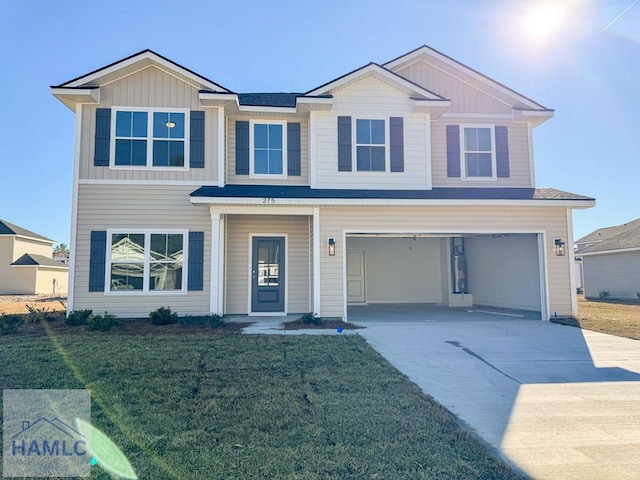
x,y
242,148
196,139
196,261
453,150
344,144
97,255
293,149
102,137
502,152
396,144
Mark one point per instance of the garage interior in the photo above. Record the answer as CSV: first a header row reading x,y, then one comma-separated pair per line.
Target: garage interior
x,y
499,271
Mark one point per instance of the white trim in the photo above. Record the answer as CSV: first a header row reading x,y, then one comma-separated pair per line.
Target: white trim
x,y
91,92
386,145
428,166
532,170
222,264
283,124
345,296
312,149
261,210
373,68
458,66
147,232
214,303
266,109
99,181
221,147
143,55
314,100
286,273
544,277
572,261
74,211
478,116
32,239
150,138
463,151
351,202
64,267
316,262
605,252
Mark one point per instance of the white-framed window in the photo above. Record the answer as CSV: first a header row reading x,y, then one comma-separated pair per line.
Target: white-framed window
x,y
149,138
478,152
268,148
146,261
371,145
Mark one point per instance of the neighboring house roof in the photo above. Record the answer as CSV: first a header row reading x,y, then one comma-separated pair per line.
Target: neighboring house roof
x,y
7,228
269,99
442,193
618,237
31,259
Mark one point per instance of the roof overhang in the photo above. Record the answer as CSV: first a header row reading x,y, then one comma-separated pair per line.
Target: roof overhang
x,y
433,107
605,252
72,96
535,117
230,101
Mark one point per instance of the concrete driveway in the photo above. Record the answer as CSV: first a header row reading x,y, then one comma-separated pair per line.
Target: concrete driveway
x,y
558,402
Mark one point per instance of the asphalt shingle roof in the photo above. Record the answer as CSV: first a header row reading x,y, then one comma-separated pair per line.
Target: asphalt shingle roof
x,y
617,237
279,191
7,228
40,260
269,99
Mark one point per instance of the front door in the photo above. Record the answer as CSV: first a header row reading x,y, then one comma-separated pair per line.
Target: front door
x,y
267,274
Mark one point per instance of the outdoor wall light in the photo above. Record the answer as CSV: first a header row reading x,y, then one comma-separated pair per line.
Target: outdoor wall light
x,y
331,242
559,244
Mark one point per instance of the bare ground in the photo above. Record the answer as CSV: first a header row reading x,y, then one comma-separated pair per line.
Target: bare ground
x,y
18,303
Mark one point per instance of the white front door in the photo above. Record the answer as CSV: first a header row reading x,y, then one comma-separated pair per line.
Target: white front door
x,y
355,275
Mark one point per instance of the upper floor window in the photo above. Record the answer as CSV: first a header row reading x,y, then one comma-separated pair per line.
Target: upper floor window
x,y
478,152
370,145
268,155
149,138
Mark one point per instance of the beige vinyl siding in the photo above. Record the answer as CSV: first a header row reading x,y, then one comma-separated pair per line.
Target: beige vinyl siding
x,y
371,98
443,219
24,245
467,95
102,207
519,166
617,273
239,227
232,178
45,277
151,88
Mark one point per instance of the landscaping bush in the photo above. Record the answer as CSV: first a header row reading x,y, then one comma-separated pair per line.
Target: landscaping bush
x,y
37,315
212,320
310,319
102,322
579,290
163,316
78,317
9,324
604,295
216,321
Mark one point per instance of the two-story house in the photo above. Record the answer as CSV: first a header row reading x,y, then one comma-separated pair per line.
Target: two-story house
x,y
407,182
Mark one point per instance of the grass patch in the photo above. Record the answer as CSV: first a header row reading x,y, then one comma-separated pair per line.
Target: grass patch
x,y
206,406
615,317
300,324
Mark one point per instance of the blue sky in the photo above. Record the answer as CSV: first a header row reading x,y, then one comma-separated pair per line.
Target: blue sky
x,y
587,73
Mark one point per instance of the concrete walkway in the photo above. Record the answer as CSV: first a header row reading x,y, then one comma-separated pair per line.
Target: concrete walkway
x,y
558,402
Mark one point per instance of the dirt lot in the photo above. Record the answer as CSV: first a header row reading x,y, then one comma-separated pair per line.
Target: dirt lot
x,y
615,317
18,303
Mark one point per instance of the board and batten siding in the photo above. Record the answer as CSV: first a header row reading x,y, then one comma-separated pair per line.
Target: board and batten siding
x,y
102,207
153,88
443,219
230,128
467,95
370,98
297,277
617,273
519,163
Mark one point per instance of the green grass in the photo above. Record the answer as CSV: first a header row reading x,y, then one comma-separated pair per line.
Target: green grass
x,y
206,406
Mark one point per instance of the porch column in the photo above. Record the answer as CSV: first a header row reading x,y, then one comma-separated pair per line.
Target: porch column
x,y
317,242
217,263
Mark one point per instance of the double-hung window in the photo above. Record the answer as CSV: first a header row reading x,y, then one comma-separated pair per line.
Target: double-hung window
x,y
149,138
267,152
478,152
370,145
146,261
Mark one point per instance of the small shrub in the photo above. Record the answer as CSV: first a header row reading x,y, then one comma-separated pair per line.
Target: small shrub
x,y
78,317
216,321
604,295
638,295
212,320
310,319
37,315
579,290
163,316
10,323
102,322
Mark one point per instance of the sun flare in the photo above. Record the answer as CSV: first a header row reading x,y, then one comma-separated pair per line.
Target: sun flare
x,y
545,18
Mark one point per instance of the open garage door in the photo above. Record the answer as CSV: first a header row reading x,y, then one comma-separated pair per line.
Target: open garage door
x,y
498,271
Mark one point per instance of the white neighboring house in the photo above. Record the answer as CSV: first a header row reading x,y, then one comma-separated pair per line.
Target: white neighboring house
x,y
611,261
26,263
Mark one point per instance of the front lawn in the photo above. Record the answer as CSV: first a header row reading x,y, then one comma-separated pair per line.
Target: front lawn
x,y
210,406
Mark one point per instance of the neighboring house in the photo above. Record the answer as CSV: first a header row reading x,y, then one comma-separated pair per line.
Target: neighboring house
x,y
26,265
61,257
407,182
611,261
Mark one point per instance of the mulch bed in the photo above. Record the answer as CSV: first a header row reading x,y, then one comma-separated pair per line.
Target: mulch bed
x,y
324,325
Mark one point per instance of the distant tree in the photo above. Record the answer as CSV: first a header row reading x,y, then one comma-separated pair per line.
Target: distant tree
x,y
61,248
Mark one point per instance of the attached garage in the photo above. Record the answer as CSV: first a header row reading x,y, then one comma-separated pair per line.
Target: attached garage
x,y
501,270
